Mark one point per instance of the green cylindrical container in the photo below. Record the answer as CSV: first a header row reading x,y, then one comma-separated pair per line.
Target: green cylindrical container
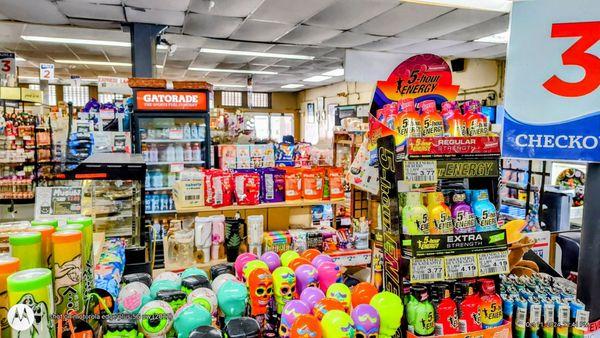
x,y
87,243
27,247
67,271
33,287
8,266
52,222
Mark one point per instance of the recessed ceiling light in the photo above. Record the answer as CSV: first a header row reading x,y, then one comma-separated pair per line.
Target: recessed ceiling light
x,y
335,72
18,58
260,54
486,5
237,71
317,78
292,86
95,63
81,41
229,85
496,38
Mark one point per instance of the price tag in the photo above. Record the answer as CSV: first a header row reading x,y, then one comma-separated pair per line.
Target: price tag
x,y
46,71
463,266
493,263
7,64
420,171
176,167
426,269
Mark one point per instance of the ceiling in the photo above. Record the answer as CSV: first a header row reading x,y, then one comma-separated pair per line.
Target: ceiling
x,y
320,28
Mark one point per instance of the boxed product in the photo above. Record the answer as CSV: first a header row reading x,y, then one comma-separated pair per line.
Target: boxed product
x,y
278,241
272,185
268,156
227,156
244,161
284,154
299,239
189,193
302,154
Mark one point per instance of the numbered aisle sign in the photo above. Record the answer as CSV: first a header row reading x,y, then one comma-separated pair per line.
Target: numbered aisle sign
x,y
553,81
46,71
8,66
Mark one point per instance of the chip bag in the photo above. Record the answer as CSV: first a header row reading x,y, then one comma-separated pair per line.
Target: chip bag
x,y
312,183
293,184
247,188
336,182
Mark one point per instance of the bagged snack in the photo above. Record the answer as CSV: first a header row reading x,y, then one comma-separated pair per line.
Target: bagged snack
x,y
293,184
208,187
302,154
312,183
222,185
336,182
247,188
284,154
272,185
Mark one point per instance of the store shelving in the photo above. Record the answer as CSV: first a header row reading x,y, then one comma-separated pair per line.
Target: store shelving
x,y
176,162
159,189
172,140
288,204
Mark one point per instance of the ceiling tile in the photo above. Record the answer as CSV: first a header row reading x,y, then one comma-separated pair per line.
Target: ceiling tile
x,y
448,23
179,64
316,51
210,25
462,48
427,46
231,8
253,46
45,12
350,39
154,16
486,28
346,14
493,51
286,49
75,32
411,15
289,11
388,44
237,59
308,35
184,54
185,41
99,24
77,9
253,30
290,62
172,5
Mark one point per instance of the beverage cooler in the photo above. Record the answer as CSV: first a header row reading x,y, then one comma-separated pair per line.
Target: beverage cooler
x,y
171,129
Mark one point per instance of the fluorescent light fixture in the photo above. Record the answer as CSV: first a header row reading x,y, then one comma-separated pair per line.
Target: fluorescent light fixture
x,y
94,63
317,78
82,41
486,5
159,66
292,86
260,54
335,72
18,58
229,85
236,71
496,38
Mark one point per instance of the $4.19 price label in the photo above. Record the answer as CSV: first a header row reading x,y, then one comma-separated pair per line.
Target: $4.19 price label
x,y
426,269
462,266
420,171
493,263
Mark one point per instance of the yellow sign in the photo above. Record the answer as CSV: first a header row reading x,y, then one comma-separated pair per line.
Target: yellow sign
x,y
30,95
10,93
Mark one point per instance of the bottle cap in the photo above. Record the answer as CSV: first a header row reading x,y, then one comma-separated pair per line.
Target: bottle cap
x,y
25,238
30,279
66,236
9,264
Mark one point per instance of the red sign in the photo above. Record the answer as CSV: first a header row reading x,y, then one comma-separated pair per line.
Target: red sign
x,y
171,100
475,146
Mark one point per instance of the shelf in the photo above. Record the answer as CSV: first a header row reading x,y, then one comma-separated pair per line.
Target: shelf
x,y
203,266
175,162
160,212
516,185
159,189
513,202
344,142
509,217
289,204
173,141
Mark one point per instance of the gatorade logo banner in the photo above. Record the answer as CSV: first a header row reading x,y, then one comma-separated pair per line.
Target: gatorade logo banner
x,y
553,81
171,100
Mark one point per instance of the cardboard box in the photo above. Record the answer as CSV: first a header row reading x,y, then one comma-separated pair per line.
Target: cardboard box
x,y
188,194
227,156
244,161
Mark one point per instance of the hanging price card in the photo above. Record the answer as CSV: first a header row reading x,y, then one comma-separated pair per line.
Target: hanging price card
x,y
463,266
420,171
426,269
493,263
176,167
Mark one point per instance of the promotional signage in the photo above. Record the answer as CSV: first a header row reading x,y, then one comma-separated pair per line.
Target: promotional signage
x,y
46,71
552,81
431,147
31,95
455,244
468,168
171,100
57,201
111,84
8,66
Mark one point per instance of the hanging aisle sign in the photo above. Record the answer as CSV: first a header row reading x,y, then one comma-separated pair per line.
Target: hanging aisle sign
x,y
553,81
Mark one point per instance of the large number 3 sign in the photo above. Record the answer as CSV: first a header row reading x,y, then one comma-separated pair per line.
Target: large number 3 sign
x,y
577,55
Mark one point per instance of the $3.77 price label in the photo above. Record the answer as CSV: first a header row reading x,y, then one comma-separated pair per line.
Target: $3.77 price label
x,y
420,171
493,263
462,266
426,269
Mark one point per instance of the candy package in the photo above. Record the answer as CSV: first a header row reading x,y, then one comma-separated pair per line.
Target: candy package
x,y
284,154
293,184
302,154
336,182
222,186
243,158
272,183
208,187
312,183
247,188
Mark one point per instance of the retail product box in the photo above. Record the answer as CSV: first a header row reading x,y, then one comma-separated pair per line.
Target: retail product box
x,y
188,194
440,147
504,331
278,241
227,156
268,156
262,155
244,161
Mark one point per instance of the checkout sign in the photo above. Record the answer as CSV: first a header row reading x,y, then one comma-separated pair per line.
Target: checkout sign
x,y
553,81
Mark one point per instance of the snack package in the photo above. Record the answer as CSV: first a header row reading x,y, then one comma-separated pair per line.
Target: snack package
x,y
257,152
293,184
302,154
299,240
227,156
222,185
247,188
208,186
284,154
272,185
312,183
336,182
243,158
268,156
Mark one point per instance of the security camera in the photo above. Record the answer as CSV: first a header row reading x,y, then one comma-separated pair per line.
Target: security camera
x,y
172,49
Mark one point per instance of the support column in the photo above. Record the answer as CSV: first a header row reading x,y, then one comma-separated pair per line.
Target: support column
x,y
589,268
143,48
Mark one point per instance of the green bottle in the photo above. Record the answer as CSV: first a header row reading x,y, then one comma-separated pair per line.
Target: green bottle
x,y
415,218
424,321
412,304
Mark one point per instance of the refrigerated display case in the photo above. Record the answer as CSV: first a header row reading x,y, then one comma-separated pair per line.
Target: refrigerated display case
x,y
171,136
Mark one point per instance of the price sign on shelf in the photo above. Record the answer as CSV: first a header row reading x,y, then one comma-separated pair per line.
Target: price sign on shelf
x,y
426,269
463,266
420,171
8,65
46,71
176,167
493,263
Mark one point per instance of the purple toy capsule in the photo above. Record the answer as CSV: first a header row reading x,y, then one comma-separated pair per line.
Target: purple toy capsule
x,y
366,320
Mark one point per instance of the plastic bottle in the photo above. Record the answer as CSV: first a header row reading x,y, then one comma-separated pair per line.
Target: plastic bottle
x,y
155,202
194,131
457,125
157,228
408,122
153,153
415,219
446,312
187,153
440,216
469,318
485,212
179,153
196,152
412,304
490,310
187,132
148,181
145,153
170,153
164,202
148,203
476,122
432,122
157,179
462,214
424,321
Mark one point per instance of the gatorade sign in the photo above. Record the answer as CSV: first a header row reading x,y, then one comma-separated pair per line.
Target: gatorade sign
x,y
553,81
171,100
